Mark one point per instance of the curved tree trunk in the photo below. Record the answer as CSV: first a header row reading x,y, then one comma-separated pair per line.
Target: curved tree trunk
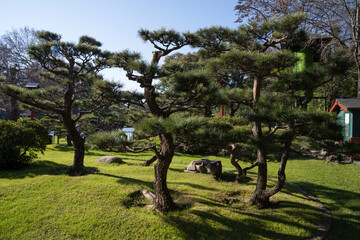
x,y
14,109
77,168
150,161
163,201
258,198
241,174
261,197
281,172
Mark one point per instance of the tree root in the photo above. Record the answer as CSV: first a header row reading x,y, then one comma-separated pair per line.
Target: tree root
x,y
148,195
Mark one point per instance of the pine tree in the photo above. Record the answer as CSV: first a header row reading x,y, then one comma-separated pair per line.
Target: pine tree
x,y
77,88
271,100
185,91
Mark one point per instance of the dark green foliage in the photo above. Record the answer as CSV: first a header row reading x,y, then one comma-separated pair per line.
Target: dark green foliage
x,y
76,87
167,40
196,134
107,119
216,40
115,141
349,148
54,124
319,129
19,142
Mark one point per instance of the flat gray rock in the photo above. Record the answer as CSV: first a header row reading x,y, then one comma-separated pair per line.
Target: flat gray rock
x,y
109,159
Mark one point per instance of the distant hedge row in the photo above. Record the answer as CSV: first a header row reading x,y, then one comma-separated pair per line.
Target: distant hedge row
x,y
19,142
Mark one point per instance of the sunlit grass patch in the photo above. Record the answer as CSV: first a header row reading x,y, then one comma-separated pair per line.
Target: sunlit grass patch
x,y
42,202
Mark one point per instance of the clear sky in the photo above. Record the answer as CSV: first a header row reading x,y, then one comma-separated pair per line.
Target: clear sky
x,y
115,22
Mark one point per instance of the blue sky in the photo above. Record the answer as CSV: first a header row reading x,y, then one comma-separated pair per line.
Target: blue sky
x,y
115,23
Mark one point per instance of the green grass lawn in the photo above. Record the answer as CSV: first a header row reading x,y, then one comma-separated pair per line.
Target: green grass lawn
x,y
42,202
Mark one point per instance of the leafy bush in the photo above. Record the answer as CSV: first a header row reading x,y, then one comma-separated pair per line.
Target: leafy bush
x,y
19,142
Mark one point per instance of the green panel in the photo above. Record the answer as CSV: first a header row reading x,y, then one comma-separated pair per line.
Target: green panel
x,y
356,122
306,60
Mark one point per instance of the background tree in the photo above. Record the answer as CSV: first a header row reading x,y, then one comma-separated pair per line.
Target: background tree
x,y
106,119
54,124
335,19
77,87
184,91
16,65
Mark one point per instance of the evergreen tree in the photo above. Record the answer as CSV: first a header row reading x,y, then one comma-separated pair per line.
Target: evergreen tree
x,y
77,88
261,59
336,22
184,91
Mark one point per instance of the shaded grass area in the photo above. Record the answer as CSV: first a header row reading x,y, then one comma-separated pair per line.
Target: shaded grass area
x,y
41,202
338,187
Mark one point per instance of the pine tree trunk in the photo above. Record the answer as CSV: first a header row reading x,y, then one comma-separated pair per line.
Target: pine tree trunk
x,y
281,172
77,168
68,140
163,201
14,109
241,174
150,161
258,198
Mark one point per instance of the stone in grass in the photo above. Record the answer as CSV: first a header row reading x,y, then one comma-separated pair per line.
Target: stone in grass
x,y
109,159
213,167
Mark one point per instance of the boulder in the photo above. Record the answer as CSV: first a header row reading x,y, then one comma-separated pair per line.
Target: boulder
x,y
331,158
213,167
109,159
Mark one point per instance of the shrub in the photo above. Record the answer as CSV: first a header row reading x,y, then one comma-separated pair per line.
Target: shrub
x,y
19,142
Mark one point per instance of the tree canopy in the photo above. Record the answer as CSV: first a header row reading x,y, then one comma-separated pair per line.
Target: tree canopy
x,y
76,87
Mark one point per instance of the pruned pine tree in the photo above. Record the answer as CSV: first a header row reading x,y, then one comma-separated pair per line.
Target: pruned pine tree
x,y
77,88
285,123
187,89
262,60
260,63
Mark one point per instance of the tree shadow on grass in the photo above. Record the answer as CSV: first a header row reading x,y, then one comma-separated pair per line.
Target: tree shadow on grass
x,y
254,226
231,177
193,185
127,180
307,216
38,168
180,170
343,205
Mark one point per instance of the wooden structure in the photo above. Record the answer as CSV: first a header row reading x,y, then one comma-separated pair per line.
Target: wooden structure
x,y
348,113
